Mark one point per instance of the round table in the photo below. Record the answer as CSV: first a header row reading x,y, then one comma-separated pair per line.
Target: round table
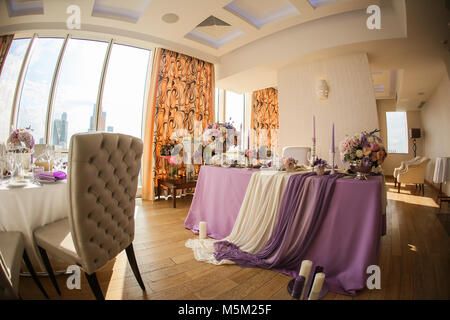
x,y
27,208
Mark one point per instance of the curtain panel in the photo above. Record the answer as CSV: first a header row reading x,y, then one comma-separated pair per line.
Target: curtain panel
x,y
264,113
181,92
5,44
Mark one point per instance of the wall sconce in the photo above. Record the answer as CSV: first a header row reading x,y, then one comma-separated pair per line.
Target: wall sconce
x,y
323,89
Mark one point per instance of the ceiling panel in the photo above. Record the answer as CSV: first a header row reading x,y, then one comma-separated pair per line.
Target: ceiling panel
x,y
130,10
24,7
262,12
214,32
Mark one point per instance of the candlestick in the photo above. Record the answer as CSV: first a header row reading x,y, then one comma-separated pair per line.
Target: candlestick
x,y
202,230
332,138
314,128
317,286
305,270
332,156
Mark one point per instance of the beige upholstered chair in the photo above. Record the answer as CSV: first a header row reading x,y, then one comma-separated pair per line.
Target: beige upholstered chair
x,y
102,182
298,153
12,251
403,166
414,173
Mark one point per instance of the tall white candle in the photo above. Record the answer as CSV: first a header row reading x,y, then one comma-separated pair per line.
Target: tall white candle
x,y
317,286
305,270
202,230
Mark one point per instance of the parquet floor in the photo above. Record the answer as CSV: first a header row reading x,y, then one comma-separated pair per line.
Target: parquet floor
x,y
414,260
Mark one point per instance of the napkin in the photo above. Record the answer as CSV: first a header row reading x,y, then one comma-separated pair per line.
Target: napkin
x,y
51,176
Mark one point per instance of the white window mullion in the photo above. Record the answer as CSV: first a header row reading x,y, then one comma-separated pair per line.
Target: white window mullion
x,y
102,84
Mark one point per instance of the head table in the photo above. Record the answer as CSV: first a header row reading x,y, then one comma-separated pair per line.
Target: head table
x,y
25,209
242,207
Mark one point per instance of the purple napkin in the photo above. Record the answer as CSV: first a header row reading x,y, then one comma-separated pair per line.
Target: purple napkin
x,y
51,176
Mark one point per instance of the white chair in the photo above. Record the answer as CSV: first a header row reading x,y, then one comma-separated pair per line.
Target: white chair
x,y
414,173
403,166
298,153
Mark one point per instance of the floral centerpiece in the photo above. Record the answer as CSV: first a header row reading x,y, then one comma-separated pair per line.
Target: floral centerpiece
x,y
21,140
289,163
224,133
363,151
319,166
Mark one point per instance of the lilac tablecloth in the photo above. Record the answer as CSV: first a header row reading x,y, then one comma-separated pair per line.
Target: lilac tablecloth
x,y
217,199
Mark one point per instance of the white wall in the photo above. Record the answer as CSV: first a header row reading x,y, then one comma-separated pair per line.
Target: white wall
x,y
351,104
436,125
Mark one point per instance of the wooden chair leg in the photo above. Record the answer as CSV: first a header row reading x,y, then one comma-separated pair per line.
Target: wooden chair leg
x,y
30,268
95,286
174,193
395,182
399,186
132,260
49,269
423,189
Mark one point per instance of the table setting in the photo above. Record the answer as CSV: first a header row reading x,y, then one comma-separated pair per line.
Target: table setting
x,y
333,217
31,194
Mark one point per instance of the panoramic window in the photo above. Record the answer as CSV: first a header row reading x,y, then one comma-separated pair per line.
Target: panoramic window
x,y
124,91
36,88
397,132
8,83
234,110
77,90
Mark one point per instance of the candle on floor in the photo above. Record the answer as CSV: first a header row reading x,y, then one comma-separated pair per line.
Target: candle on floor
x,y
317,269
305,270
297,289
317,286
202,230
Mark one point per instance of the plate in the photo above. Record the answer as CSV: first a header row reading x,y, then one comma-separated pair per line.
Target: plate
x,y
18,184
47,181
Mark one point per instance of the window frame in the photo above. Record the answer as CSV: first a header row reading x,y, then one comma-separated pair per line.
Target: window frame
x,y
54,84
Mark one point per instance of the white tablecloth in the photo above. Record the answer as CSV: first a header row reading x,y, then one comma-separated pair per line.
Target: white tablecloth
x,y
25,209
441,170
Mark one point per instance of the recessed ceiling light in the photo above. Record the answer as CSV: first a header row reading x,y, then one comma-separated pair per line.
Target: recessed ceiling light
x,y
170,18
421,93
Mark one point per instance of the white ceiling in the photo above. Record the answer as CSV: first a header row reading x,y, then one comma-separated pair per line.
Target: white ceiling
x,y
263,36
142,19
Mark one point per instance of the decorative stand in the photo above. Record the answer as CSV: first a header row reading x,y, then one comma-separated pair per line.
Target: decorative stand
x,y
332,154
313,154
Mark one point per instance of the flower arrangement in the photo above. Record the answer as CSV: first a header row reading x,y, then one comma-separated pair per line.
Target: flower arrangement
x,y
22,140
365,149
221,131
289,161
320,163
250,154
166,150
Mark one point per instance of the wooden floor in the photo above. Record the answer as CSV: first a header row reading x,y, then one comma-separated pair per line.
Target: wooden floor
x,y
414,260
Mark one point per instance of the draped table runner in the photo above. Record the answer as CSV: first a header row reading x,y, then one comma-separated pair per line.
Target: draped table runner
x,y
256,220
217,199
25,209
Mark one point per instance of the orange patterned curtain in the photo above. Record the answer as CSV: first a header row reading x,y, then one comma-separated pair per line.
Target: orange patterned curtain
x,y
184,92
5,44
265,111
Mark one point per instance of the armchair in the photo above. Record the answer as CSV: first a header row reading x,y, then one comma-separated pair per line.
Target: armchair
x,y
403,166
413,173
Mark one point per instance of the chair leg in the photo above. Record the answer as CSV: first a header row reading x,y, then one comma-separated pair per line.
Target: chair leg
x,y
49,269
423,189
395,182
134,266
399,186
95,286
30,268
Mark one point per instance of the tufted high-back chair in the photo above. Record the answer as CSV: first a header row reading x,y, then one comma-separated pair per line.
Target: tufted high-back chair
x,y
102,183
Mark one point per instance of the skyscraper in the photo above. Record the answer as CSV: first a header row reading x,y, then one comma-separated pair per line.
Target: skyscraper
x,y
60,128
